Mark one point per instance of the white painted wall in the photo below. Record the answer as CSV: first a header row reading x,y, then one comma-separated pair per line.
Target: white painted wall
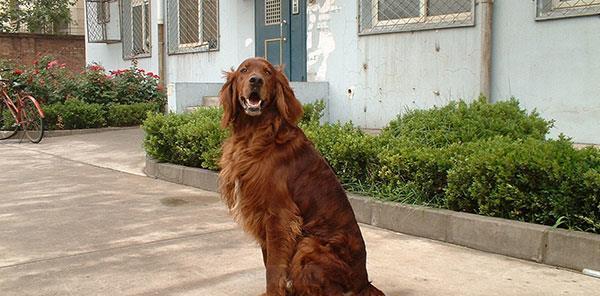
x,y
236,27
552,66
111,55
236,44
373,78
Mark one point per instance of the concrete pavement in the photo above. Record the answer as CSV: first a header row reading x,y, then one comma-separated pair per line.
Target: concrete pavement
x,y
77,218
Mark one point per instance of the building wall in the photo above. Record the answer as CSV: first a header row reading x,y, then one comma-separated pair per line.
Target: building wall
x,y
25,48
373,78
552,66
76,26
111,55
236,43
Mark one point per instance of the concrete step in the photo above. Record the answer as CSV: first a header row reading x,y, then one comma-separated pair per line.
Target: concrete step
x,y
210,101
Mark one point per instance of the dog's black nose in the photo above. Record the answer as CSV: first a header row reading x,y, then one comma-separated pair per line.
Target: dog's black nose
x,y
256,81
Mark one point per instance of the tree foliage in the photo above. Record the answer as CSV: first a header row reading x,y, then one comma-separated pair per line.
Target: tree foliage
x,y
35,16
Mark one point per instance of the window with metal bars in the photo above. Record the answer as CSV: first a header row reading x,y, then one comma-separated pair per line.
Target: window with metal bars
x,y
100,27
552,9
386,16
135,16
193,25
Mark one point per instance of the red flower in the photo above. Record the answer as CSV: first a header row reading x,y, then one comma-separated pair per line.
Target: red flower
x,y
52,64
18,72
96,67
150,74
62,66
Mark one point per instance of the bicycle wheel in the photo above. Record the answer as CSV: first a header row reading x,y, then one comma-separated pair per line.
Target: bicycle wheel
x,y
33,122
8,127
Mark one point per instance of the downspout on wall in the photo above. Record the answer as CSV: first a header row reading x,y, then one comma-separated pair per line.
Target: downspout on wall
x,y
485,82
161,42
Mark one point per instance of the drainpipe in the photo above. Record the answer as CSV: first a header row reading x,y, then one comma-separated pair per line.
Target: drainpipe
x,y
485,83
161,41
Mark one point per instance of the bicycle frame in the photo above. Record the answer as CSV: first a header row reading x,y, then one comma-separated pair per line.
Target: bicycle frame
x,y
16,109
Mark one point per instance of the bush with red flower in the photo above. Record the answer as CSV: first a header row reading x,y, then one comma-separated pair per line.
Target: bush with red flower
x,y
48,80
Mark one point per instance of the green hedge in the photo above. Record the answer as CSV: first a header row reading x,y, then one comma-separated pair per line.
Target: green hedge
x,y
489,159
192,139
75,114
128,115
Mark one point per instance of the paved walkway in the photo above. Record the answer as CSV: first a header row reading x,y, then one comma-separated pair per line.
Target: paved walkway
x,y
77,218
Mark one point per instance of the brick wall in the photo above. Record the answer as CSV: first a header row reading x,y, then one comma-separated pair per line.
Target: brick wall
x,y
24,48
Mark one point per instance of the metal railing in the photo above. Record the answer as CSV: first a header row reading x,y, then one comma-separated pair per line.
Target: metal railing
x,y
551,9
192,26
386,16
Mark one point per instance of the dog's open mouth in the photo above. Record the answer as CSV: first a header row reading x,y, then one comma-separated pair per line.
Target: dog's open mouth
x,y
252,104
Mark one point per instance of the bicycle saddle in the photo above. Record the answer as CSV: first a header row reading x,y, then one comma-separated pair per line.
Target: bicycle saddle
x,y
18,86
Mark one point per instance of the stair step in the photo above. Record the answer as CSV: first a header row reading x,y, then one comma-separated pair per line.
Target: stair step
x,y
210,101
191,109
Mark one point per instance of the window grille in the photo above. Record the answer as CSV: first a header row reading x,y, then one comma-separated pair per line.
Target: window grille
x,y
272,12
192,26
100,27
136,20
386,16
551,9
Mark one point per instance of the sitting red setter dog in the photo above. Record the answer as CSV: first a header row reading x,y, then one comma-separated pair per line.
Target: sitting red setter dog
x,y
284,193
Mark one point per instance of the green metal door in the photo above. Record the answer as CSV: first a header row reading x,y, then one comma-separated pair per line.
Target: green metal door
x,y
281,35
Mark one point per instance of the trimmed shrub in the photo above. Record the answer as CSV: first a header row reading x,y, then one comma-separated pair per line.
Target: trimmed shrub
x,y
460,122
74,114
192,139
489,159
128,115
528,180
348,150
313,112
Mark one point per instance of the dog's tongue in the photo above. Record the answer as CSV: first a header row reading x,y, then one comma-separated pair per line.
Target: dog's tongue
x,y
253,100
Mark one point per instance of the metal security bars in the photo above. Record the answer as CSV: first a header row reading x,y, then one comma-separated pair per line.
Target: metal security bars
x,y
551,9
386,16
100,28
135,17
192,26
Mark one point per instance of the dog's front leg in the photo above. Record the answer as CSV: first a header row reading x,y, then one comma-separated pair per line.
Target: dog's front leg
x,y
282,231
263,248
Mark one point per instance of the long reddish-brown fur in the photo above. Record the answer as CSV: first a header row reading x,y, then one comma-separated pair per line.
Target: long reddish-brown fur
x,y
282,192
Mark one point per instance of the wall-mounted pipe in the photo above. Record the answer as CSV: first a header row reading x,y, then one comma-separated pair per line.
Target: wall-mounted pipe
x,y
485,82
161,41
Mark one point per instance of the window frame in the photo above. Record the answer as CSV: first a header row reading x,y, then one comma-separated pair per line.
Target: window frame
x,y
420,23
174,47
200,42
558,4
103,6
566,9
146,35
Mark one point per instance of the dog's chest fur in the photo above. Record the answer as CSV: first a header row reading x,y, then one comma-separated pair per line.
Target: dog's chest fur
x,y
243,179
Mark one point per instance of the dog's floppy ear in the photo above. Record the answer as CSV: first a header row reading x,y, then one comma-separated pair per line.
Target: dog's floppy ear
x,y
288,106
228,95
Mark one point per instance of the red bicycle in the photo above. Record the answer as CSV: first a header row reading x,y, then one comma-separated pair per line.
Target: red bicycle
x,y
24,112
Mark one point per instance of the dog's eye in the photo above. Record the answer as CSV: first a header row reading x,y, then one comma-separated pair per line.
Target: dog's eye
x,y
244,70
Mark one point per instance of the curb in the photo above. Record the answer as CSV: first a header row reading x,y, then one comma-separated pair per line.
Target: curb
x,y
61,133
539,243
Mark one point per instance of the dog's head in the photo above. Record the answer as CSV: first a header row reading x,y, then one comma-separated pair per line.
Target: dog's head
x,y
255,88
